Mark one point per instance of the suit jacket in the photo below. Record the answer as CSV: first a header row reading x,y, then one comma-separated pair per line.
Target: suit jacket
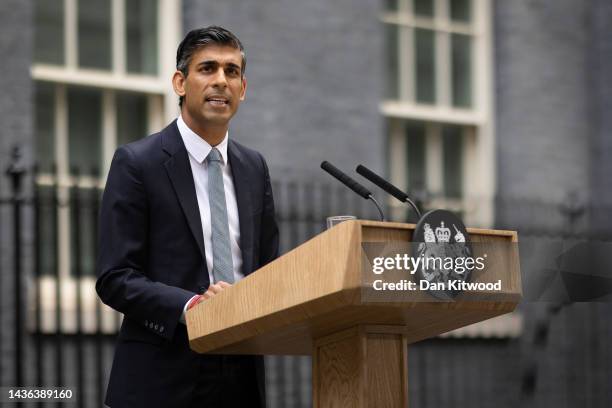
x,y
152,261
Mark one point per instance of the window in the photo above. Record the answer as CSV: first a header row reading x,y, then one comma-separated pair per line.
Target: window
x,y
94,34
100,82
437,103
429,51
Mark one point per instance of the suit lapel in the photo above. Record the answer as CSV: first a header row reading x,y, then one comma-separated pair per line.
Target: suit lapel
x,y
181,177
240,175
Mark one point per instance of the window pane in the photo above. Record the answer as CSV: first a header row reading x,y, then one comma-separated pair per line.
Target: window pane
x,y
425,65
461,62
391,58
45,125
83,218
391,5
453,159
47,229
415,156
460,10
141,33
424,8
131,117
49,31
94,34
84,129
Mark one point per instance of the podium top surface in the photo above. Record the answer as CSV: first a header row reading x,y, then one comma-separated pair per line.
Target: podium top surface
x,y
316,289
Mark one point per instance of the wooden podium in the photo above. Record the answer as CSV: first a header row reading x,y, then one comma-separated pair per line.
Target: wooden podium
x,y
309,302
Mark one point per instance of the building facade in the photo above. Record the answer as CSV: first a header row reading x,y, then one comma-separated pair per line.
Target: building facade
x,y
496,109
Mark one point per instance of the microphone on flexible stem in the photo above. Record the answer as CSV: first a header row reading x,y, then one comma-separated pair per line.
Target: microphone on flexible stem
x,y
388,187
352,184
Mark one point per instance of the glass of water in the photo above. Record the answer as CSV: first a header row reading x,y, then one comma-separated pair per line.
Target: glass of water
x,y
337,219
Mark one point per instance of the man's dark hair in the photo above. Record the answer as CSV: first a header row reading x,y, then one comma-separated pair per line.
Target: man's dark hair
x,y
201,37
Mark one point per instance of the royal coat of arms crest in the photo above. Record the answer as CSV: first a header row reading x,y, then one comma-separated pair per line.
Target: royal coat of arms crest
x,y
439,246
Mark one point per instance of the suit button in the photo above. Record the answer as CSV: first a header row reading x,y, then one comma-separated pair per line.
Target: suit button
x,y
156,327
146,323
161,329
202,289
150,325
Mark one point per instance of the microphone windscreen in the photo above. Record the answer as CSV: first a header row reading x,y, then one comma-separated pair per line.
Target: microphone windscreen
x,y
382,183
346,180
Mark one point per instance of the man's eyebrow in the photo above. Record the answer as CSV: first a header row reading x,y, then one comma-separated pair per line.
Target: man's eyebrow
x,y
215,62
212,61
231,64
207,62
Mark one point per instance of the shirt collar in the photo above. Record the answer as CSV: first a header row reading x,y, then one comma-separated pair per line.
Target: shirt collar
x,y
197,147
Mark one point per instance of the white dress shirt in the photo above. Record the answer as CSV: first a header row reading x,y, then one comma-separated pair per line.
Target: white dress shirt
x,y
198,149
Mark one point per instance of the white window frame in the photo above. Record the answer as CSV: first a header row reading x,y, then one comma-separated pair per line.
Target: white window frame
x,y
162,106
478,147
479,172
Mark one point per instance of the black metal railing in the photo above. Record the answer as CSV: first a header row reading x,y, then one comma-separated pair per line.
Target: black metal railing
x,y
61,335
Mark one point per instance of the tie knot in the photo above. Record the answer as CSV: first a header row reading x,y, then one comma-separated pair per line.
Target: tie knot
x,y
214,155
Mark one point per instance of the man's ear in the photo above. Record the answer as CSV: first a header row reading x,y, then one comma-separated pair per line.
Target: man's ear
x,y
244,87
178,83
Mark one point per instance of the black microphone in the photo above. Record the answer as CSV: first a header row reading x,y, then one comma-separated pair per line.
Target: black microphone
x,y
346,180
352,184
388,187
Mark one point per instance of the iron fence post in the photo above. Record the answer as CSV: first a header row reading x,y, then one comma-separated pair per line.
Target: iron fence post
x,y
16,172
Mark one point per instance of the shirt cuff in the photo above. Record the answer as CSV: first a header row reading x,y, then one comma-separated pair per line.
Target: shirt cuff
x,y
182,318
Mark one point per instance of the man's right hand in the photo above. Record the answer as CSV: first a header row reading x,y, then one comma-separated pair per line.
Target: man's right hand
x,y
213,290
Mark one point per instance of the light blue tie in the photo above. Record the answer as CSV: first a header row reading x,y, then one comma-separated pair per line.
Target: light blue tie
x,y
223,267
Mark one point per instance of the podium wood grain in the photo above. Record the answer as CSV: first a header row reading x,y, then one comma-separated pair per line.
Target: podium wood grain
x,y
315,290
309,301
364,366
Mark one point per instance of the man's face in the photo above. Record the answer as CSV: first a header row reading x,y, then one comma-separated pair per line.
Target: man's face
x,y
214,86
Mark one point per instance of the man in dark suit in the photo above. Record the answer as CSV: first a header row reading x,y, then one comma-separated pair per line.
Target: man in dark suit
x,y
186,212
